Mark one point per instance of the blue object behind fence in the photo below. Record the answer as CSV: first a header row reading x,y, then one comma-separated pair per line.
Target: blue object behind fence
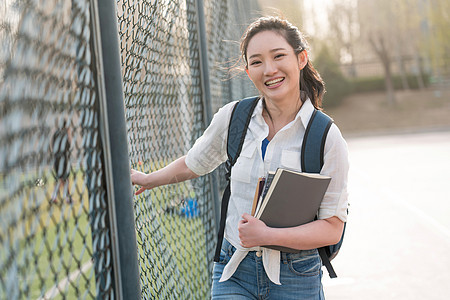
x,y
190,208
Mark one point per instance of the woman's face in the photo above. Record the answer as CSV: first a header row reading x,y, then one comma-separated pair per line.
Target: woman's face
x,y
273,66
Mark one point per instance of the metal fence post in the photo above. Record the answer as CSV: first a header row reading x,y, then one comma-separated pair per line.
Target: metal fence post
x,y
117,167
206,96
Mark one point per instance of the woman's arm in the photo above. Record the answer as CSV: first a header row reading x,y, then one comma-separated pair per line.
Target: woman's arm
x,y
208,152
319,233
176,171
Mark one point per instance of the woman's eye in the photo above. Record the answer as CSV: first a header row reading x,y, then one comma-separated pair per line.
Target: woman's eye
x,y
253,63
279,55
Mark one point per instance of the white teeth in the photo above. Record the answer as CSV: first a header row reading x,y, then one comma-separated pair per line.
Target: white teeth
x,y
272,82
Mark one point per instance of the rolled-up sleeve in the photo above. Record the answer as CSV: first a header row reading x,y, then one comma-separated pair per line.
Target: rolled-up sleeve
x,y
209,151
336,165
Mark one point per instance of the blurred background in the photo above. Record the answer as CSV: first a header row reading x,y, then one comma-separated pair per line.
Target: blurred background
x,y
386,66
386,60
69,225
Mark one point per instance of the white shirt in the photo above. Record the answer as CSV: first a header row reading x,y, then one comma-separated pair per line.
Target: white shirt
x,y
209,151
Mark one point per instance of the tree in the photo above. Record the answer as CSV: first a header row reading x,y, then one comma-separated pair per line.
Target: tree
x,y
435,24
336,84
400,28
376,22
344,30
378,43
289,9
410,28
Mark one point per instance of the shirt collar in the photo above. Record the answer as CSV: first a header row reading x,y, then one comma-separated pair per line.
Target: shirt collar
x,y
304,113
258,109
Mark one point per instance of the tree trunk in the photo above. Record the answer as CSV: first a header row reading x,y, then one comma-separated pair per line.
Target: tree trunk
x,y
420,81
383,53
401,67
390,92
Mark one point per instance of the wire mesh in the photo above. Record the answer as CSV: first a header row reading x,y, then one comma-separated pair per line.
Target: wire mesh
x,y
54,232
54,224
226,22
165,115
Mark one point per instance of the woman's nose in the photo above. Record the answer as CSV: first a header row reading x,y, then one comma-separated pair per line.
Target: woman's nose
x,y
270,68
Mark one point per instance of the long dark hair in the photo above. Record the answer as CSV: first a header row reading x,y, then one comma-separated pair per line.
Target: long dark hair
x,y
310,81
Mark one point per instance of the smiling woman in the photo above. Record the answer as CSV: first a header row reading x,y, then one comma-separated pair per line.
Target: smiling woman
x,y
291,90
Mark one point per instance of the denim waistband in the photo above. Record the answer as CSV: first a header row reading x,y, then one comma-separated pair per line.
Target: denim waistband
x,y
284,256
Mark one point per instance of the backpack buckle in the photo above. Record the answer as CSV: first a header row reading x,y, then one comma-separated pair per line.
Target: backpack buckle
x,y
228,166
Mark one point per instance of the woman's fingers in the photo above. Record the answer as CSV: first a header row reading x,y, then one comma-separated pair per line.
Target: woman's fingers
x,y
142,189
246,217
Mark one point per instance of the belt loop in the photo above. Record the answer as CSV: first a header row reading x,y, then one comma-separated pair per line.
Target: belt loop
x,y
230,249
284,257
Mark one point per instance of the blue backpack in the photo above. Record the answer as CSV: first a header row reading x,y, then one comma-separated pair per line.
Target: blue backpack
x,y
311,161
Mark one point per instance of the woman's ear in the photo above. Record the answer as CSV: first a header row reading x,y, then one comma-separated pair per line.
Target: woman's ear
x,y
302,59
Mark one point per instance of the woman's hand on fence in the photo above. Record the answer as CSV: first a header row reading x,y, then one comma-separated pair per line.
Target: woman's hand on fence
x,y
176,171
141,179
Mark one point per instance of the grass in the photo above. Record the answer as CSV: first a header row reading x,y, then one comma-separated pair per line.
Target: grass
x,y
172,252
66,249
44,242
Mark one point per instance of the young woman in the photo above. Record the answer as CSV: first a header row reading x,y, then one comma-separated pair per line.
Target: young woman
x,y
276,60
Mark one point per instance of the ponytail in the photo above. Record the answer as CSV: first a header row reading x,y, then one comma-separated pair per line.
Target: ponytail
x,y
312,84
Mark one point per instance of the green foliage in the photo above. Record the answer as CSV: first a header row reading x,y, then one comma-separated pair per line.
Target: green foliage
x,y
372,84
336,84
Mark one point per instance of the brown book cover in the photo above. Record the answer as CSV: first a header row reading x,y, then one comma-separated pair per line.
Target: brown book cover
x,y
292,199
258,192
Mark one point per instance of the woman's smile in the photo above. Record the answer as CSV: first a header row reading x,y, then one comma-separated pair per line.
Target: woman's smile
x,y
274,83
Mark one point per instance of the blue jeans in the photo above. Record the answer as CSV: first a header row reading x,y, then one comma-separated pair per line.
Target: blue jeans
x,y
300,277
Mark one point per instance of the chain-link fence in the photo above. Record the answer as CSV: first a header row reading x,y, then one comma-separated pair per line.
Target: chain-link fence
x,y
53,213
55,222
226,22
165,115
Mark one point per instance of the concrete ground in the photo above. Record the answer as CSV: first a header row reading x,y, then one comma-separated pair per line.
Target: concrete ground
x,y
397,244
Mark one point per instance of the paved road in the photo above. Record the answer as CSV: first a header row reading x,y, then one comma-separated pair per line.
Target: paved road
x,y
397,245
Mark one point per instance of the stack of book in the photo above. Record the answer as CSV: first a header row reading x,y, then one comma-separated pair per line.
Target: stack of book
x,y
288,198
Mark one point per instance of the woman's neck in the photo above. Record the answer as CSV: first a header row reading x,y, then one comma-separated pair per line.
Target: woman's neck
x,y
285,110
280,113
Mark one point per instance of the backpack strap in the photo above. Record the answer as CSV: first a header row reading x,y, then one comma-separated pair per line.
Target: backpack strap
x,y
324,256
240,118
312,162
237,129
314,142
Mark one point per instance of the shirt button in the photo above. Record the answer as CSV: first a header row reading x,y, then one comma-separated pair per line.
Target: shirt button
x,y
258,253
